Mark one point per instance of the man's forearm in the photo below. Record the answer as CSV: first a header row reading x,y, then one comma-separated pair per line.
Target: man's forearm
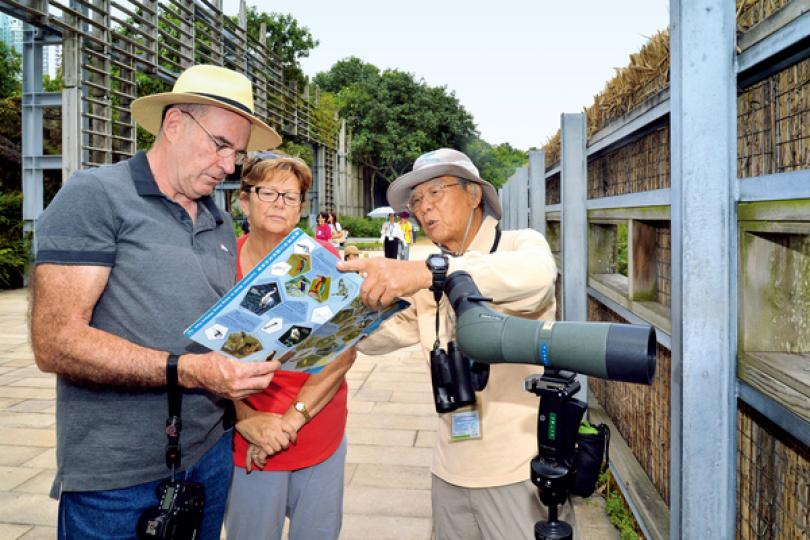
x,y
83,353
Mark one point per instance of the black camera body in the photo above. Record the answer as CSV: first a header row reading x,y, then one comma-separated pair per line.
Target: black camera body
x,y
178,514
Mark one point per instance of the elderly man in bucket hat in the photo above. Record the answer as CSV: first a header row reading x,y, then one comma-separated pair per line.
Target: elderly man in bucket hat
x,y
128,255
480,471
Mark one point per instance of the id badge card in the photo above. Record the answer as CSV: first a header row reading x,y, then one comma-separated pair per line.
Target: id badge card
x,y
465,425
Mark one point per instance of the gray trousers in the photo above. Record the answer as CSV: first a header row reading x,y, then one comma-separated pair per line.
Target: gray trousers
x,y
497,513
311,497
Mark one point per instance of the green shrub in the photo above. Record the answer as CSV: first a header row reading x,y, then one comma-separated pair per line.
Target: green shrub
x,y
621,249
362,227
14,247
304,226
616,507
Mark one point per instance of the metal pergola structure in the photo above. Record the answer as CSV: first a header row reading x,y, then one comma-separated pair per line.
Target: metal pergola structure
x,y
112,47
710,213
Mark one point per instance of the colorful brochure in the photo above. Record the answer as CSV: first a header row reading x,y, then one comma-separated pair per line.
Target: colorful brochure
x,y
295,306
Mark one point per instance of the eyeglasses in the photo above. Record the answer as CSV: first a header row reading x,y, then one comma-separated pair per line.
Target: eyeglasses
x,y
270,195
223,150
433,194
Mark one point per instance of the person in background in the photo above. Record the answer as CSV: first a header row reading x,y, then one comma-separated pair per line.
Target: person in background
x,y
339,235
407,235
391,237
323,231
290,445
128,255
351,253
480,472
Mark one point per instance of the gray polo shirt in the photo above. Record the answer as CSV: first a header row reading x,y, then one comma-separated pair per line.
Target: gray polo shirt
x,y
165,271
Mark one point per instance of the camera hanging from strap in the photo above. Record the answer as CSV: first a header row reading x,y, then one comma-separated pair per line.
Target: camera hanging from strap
x,y
173,423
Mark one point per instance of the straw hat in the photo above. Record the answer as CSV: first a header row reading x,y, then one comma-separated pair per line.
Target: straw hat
x,y
441,162
351,250
208,85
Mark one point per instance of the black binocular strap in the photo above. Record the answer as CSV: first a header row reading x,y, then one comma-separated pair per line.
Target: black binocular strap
x,y
173,422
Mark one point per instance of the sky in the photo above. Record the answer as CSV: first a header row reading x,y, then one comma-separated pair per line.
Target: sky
x,y
515,65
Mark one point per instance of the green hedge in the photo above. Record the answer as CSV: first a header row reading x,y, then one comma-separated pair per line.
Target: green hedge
x,y
362,227
14,248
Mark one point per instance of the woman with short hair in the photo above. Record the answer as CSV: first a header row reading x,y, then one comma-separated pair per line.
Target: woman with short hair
x,y
273,478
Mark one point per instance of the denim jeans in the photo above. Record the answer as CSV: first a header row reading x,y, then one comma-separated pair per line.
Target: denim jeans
x,y
113,514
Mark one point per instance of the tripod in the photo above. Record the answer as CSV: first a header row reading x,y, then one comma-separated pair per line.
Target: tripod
x,y
557,427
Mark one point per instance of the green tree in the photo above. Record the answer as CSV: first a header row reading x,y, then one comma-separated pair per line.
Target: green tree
x,y
495,163
344,73
286,39
10,69
394,118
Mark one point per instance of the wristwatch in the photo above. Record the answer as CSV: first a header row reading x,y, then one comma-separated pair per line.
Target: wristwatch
x,y
301,407
438,264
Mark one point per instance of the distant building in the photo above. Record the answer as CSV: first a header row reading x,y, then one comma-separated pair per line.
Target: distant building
x,y
11,32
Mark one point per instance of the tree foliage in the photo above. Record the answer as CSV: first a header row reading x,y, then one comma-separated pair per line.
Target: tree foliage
x,y
496,163
10,69
345,73
14,246
286,38
393,117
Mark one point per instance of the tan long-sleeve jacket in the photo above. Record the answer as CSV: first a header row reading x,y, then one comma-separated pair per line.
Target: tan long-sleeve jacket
x,y
520,278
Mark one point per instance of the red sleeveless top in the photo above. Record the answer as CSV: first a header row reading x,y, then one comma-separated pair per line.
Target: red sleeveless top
x,y
317,439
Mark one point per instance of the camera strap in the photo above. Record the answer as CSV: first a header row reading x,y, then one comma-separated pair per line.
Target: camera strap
x,y
173,423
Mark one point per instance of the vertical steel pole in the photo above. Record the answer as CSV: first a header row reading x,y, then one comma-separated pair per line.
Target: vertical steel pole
x,y
508,210
502,200
703,112
537,190
573,185
342,200
522,199
32,176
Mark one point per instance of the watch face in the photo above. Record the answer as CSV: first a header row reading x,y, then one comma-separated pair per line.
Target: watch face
x,y
438,262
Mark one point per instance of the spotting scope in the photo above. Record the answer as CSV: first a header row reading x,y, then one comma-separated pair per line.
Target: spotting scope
x,y
617,352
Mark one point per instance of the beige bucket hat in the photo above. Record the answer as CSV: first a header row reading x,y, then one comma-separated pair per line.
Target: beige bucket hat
x,y
208,85
441,162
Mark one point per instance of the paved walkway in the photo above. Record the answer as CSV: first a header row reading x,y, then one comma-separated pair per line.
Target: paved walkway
x,y
391,430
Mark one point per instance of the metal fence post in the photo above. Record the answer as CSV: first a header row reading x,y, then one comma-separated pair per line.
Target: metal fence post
x,y
31,127
573,187
522,199
537,190
703,408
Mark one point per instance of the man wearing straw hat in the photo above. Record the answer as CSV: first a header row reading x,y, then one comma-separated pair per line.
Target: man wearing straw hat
x,y
128,255
480,472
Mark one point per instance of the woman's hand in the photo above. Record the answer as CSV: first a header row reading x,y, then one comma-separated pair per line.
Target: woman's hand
x,y
255,458
268,431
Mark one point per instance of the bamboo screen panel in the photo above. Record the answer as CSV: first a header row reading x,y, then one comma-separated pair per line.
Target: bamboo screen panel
x,y
663,257
773,123
641,413
642,165
773,480
553,190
